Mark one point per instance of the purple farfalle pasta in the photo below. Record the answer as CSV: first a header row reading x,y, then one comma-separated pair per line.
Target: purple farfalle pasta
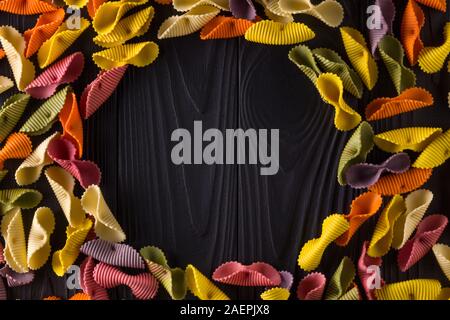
x,y
15,279
364,175
243,9
387,11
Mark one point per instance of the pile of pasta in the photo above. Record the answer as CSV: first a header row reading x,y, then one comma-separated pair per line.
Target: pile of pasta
x,y
93,234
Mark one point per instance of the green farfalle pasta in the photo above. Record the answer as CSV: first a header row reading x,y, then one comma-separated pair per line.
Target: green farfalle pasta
x,y
392,53
356,149
19,198
3,174
410,138
303,58
46,115
11,112
172,279
341,280
330,61
352,294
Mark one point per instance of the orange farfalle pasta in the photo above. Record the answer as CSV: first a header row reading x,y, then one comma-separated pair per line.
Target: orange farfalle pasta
x,y
412,23
2,54
362,208
440,5
409,100
26,7
45,27
93,5
222,27
71,122
17,146
408,181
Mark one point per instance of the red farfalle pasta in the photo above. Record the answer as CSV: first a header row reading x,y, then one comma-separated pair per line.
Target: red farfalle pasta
x,y
222,27
412,23
26,7
71,122
409,100
143,286
99,90
87,282
115,254
17,146
311,287
64,71
63,152
45,27
440,5
408,181
93,5
256,274
367,273
428,233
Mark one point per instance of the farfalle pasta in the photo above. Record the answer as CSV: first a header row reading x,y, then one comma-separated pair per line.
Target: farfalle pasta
x,y
412,23
329,12
275,294
15,251
222,27
410,138
93,5
311,253
16,279
26,7
331,89
359,55
386,20
368,272
201,286
71,122
18,198
276,33
432,59
274,12
137,54
417,289
435,154
312,286
442,254
17,146
243,9
341,280
186,5
114,254
408,181
10,113
76,3
304,59
87,282
256,274
5,84
39,238
440,5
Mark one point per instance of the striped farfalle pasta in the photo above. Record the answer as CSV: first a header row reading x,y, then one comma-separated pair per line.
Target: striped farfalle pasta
x,y
304,59
14,45
201,286
138,54
93,5
276,33
99,90
63,184
329,12
15,251
10,113
442,254
412,23
5,84
386,20
18,198
312,286
65,257
410,138
440,5
172,279
16,279
45,27
384,230
352,294
65,71
222,27
72,124
432,59
109,14
187,23
26,7
255,274
416,203
274,12
408,181
341,281
311,253
30,170
360,56
186,5
435,154
243,9
409,100
275,294
392,53
356,150
39,238
106,226
3,174
417,289
17,146
45,116
134,25
76,3
362,208
367,273
59,42
87,282
331,89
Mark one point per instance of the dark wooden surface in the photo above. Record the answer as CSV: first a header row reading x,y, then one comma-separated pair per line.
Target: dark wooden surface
x,y
206,215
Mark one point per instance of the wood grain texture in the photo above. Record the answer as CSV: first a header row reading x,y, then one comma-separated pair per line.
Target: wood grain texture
x,y
206,215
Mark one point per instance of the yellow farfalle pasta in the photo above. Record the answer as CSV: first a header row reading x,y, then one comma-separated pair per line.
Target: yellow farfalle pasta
x,y
186,5
30,170
106,226
138,54
14,45
62,184
435,154
64,258
331,89
276,33
312,251
382,236
132,26
275,294
39,238
5,84
60,42
417,289
201,286
76,3
359,55
190,22
442,254
432,59
274,12
411,138
15,251
329,12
